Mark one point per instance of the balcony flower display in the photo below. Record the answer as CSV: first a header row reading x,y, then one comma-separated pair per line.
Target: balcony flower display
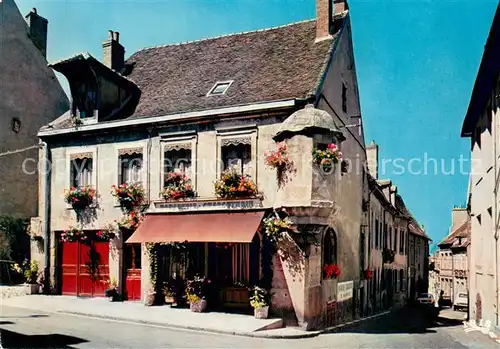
x,y
73,235
331,271
274,227
233,185
177,186
328,157
196,292
129,196
80,198
280,160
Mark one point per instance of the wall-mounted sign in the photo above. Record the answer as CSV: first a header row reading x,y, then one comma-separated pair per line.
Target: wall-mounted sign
x,y
345,291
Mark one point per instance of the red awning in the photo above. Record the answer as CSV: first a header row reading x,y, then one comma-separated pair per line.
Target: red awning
x,y
198,227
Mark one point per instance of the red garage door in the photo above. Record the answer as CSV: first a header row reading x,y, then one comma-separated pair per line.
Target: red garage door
x,y
85,268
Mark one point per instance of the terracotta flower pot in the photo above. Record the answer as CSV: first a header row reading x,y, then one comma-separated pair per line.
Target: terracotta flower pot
x,y
169,300
198,307
261,313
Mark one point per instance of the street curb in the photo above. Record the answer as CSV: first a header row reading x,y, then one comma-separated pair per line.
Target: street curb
x,y
309,334
354,323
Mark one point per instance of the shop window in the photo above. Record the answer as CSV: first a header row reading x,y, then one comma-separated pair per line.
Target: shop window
x,y
237,156
329,249
130,168
81,172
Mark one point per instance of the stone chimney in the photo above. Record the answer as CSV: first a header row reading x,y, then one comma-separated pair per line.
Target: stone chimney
x,y
37,30
113,52
325,14
459,216
372,159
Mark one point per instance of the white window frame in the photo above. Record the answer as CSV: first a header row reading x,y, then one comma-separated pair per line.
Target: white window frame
x,y
119,147
236,133
70,153
180,140
210,92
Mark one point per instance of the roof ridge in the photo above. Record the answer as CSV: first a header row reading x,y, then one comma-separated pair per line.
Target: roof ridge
x,y
223,36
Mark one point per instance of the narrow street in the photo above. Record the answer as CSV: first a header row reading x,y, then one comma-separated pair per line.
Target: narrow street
x,y
22,328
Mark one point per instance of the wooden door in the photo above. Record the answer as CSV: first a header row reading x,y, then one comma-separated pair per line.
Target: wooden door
x,y
132,271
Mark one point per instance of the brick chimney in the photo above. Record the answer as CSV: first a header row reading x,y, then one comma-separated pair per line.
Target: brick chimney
x,y
37,30
113,52
372,159
325,14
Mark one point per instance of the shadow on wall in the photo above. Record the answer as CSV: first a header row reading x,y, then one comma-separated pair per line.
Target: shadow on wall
x,y
11,339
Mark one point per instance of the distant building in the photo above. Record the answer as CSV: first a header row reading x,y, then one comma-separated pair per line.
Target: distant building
x,y
481,125
30,97
397,246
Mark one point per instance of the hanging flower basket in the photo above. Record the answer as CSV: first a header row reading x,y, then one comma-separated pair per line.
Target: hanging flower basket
x,y
233,185
327,158
80,198
331,271
129,196
106,234
388,255
73,235
177,186
130,222
367,274
279,159
274,227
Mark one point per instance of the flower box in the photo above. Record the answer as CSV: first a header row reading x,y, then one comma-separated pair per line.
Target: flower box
x,y
327,158
129,196
177,186
233,185
235,297
80,198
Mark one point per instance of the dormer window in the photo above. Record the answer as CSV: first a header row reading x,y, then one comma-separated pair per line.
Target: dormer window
x,y
219,88
85,100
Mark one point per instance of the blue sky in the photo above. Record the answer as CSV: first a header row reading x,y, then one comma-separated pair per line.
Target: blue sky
x,y
416,64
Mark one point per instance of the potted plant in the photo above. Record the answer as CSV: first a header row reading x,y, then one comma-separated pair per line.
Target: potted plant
x,y
112,291
233,185
331,271
130,222
196,293
129,196
328,157
80,198
177,186
260,302
31,272
169,292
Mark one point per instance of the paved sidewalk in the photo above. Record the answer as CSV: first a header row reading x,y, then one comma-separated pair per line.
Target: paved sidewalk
x,y
215,322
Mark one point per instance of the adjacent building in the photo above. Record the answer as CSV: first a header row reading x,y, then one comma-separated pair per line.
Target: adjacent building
x,y
397,246
199,108
451,264
481,126
30,97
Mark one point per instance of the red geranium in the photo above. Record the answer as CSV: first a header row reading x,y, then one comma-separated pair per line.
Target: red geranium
x,y
331,271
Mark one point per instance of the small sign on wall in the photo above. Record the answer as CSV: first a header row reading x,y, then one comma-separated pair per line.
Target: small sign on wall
x,y
345,290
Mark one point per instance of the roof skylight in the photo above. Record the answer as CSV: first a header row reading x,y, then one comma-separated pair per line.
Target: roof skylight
x,y
219,88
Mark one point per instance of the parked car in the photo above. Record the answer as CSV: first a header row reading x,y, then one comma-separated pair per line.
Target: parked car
x,y
426,299
461,301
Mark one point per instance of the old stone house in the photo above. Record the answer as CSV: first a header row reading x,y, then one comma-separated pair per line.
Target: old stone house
x,y
390,223
451,258
235,97
30,97
481,126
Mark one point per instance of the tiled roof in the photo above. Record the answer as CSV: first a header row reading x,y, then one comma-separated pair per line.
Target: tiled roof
x,y
460,237
265,65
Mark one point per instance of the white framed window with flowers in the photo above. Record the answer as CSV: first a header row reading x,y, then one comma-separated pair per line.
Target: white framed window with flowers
x,y
81,168
237,148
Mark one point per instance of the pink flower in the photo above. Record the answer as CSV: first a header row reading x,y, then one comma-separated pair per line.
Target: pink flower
x,y
332,146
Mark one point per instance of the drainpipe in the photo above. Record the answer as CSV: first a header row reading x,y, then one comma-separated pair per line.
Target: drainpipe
x,y
150,132
495,215
46,217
